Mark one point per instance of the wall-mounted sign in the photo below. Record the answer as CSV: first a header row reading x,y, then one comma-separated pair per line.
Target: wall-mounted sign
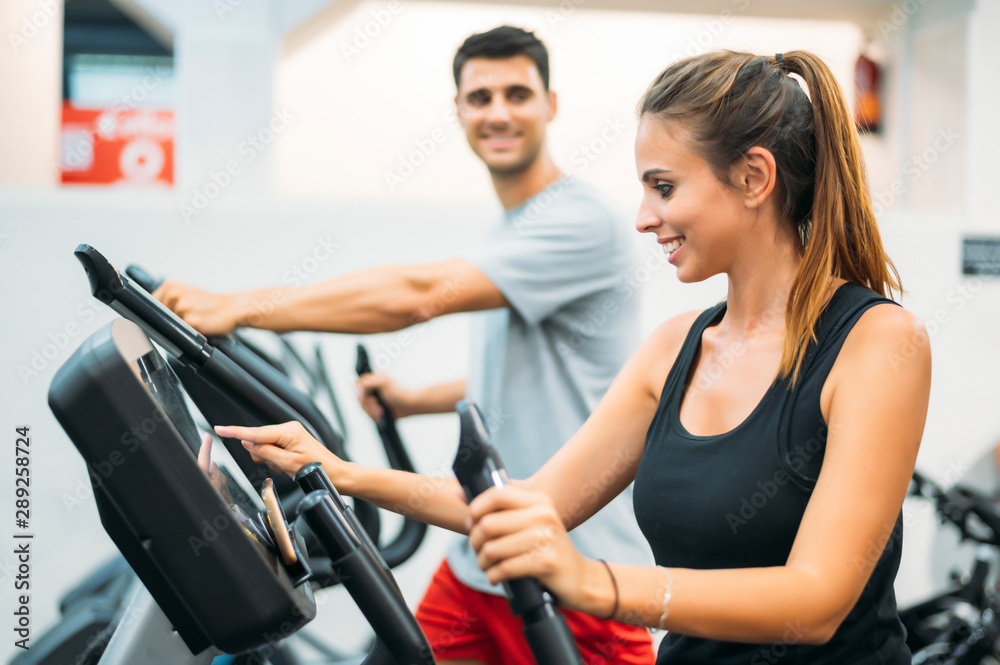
x,y
981,255
129,146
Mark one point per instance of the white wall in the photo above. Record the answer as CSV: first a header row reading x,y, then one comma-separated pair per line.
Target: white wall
x,y
30,76
361,107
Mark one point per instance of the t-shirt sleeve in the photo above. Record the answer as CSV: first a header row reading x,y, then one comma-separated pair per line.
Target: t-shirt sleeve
x,y
543,264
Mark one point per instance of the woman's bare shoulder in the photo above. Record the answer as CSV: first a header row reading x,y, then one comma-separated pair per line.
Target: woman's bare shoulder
x,y
657,353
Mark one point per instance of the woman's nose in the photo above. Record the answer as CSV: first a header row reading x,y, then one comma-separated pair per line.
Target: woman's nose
x,y
647,221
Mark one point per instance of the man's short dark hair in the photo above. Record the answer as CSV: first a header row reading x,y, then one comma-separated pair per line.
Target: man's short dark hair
x,y
504,42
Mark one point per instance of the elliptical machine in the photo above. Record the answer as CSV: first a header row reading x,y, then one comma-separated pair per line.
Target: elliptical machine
x,y
247,586
960,626
174,620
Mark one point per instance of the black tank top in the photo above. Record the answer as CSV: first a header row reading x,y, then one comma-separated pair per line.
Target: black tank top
x,y
735,500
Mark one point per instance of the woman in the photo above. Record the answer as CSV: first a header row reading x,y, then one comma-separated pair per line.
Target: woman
x,y
771,438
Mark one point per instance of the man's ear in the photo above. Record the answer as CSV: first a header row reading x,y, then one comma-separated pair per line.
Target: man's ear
x,y
553,105
458,111
757,175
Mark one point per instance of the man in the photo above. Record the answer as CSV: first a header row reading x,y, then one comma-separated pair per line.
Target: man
x,y
552,334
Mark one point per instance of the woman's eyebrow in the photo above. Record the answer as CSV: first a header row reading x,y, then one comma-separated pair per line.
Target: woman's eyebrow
x,y
652,172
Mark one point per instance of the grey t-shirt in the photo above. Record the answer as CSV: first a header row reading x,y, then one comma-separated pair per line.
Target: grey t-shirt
x,y
540,367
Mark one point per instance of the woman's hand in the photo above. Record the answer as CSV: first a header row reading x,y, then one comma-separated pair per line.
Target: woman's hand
x,y
286,447
516,532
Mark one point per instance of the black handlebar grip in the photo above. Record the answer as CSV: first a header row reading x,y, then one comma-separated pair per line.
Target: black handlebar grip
x,y
392,442
370,584
140,276
478,467
134,303
312,478
413,531
363,365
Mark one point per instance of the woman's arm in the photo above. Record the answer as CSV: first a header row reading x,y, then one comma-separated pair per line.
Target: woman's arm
x,y
403,402
875,401
288,447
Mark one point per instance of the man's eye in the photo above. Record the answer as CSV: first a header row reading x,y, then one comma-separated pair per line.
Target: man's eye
x,y
479,98
665,189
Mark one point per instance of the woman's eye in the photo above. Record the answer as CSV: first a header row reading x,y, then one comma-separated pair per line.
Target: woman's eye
x,y
665,189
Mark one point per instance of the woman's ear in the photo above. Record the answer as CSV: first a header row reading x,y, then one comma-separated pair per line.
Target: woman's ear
x,y
757,175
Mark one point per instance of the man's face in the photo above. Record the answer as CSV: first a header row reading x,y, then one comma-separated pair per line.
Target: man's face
x,y
504,108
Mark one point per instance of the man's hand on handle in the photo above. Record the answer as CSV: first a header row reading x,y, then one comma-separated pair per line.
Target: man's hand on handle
x,y
400,401
208,313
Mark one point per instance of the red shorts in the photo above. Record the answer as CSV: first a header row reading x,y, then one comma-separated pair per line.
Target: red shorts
x,y
463,623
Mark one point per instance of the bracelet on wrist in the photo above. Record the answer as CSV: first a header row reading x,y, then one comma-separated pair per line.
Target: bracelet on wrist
x,y
614,584
668,594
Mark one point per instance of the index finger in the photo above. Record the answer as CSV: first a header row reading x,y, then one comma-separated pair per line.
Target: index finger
x,y
277,434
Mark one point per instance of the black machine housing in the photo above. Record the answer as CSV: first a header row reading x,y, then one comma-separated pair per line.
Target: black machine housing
x,y
196,542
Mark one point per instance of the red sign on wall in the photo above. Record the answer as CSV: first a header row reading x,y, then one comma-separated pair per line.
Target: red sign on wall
x,y
129,147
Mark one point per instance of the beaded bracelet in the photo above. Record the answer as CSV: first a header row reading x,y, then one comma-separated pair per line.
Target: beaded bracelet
x,y
614,583
668,593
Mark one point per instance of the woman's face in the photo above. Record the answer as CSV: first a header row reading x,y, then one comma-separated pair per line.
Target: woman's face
x,y
699,221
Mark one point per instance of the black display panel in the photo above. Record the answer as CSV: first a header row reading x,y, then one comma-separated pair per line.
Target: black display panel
x,y
189,527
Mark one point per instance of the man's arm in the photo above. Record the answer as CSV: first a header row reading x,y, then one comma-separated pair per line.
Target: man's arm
x,y
376,300
403,402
